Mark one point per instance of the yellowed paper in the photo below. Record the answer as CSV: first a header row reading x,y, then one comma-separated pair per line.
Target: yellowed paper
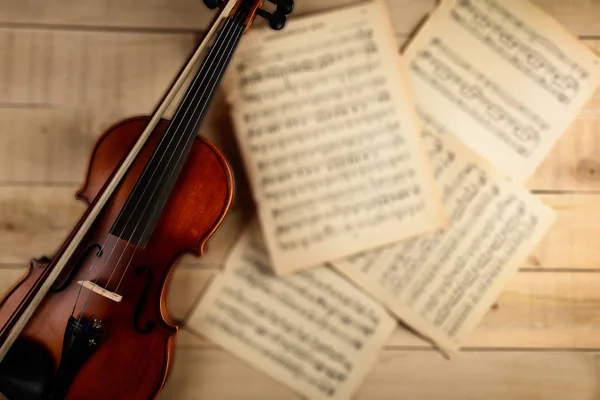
x,y
443,284
502,76
313,331
330,138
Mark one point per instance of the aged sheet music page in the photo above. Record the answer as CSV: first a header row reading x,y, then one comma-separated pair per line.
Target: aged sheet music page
x,y
503,76
442,285
330,139
312,331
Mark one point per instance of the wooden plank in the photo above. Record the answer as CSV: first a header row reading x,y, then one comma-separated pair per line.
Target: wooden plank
x,y
536,310
173,15
49,146
78,84
35,219
215,375
574,162
62,89
543,310
9,277
579,16
53,145
118,71
87,81
572,242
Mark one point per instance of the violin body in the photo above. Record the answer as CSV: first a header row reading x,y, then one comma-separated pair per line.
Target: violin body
x,y
92,322
133,346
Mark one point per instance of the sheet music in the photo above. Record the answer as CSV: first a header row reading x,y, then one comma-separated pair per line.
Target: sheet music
x,y
503,76
330,139
312,331
443,284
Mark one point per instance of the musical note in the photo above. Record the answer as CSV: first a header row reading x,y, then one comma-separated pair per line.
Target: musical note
x,y
510,103
486,102
312,330
331,141
439,282
521,46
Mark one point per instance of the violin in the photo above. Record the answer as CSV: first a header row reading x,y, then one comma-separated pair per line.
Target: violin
x,y
91,322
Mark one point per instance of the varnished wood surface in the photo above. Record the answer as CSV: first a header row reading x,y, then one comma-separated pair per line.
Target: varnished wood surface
x,y
540,341
135,329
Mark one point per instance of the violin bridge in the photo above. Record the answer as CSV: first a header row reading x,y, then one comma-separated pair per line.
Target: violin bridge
x,y
101,291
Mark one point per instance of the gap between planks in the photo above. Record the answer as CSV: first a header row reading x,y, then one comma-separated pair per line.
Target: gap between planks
x,y
34,221
578,16
572,167
535,311
398,374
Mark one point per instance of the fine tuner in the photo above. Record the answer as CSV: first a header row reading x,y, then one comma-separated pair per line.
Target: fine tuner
x,y
277,19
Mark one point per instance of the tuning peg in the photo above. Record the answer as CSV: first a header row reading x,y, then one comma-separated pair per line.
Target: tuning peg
x,y
284,6
212,4
276,20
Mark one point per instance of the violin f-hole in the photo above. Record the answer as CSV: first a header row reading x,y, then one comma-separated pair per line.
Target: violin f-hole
x,y
149,325
77,267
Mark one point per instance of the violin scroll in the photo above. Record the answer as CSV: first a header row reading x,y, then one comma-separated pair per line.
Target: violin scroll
x,y
276,19
213,4
284,6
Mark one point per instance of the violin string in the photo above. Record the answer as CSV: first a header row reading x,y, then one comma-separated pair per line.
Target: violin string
x,y
188,115
213,51
226,26
214,83
214,79
230,29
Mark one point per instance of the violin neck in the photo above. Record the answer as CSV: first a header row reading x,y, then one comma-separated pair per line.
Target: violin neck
x,y
164,167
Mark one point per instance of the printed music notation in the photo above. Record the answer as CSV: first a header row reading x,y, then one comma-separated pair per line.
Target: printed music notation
x,y
439,283
313,330
430,125
255,281
331,140
511,102
470,89
527,50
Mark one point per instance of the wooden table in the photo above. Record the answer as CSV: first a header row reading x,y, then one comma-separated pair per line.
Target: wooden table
x,y
69,68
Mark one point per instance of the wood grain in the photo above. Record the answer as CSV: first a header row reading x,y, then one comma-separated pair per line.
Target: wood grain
x,y
122,72
579,16
49,97
63,116
35,218
190,15
574,162
536,310
215,375
34,221
572,243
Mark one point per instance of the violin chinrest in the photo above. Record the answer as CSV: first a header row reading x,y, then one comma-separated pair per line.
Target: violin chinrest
x,y
26,372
